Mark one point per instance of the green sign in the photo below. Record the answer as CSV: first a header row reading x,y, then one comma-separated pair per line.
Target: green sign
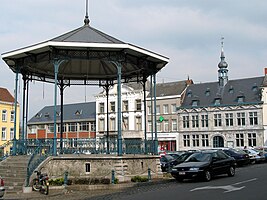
x,y
161,119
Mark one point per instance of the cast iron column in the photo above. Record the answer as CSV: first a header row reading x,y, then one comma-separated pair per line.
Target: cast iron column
x,y
119,107
155,116
56,67
14,149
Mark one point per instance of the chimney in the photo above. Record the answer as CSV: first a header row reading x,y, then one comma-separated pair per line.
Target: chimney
x,y
265,71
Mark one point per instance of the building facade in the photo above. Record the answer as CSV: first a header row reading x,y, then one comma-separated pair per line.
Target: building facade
x,y
168,98
225,113
78,123
132,95
7,109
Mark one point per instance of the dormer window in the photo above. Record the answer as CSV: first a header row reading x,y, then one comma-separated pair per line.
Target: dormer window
x,y
231,90
217,101
189,93
207,93
78,112
240,99
38,115
195,103
46,115
255,88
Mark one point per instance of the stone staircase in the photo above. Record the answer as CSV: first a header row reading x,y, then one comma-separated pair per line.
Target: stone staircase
x,y
14,172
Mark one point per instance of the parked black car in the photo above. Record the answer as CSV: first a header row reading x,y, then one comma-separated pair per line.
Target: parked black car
x,y
241,157
167,162
204,165
184,156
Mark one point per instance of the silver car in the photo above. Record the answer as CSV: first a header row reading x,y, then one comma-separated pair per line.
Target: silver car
x,y
2,187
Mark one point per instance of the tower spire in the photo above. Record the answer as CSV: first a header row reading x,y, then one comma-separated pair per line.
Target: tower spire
x,y
223,71
86,19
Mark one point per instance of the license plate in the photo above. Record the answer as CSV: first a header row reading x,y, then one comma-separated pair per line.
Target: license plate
x,y
181,173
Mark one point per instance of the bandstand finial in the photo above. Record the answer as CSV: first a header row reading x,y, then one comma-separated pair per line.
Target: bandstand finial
x,y
86,19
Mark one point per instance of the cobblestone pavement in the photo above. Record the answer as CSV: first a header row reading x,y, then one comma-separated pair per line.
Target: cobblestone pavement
x,y
92,194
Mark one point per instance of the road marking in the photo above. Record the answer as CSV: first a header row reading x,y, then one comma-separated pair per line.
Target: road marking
x,y
238,183
227,188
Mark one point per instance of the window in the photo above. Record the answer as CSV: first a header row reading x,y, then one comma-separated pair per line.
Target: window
x,y
84,126
195,123
125,106
239,139
194,103
50,128
72,127
253,118
33,129
149,126
217,120
166,126
204,121
11,133
112,106
158,126
195,139
4,115
12,116
59,128
165,108
205,140
185,121
112,124
101,124
78,112
186,139
92,126
241,119
207,93
138,122
217,102
173,107
240,99
125,123
252,139
87,167
101,107
174,125
157,109
138,104
149,110
189,93
46,115
3,136
229,121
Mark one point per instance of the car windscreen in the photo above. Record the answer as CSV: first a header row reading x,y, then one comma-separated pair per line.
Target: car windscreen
x,y
199,157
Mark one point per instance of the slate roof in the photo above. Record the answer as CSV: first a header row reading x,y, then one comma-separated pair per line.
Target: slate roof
x,y
248,88
87,34
5,96
71,112
170,88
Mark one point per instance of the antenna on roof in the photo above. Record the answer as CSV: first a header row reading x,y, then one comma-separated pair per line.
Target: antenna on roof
x,y
86,20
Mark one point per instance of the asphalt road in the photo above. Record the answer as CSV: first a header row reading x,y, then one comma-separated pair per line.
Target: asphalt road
x,y
249,183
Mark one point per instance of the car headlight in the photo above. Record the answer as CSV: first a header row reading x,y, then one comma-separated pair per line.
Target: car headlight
x,y
194,169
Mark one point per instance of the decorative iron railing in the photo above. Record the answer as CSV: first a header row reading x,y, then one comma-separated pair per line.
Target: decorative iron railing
x,y
83,146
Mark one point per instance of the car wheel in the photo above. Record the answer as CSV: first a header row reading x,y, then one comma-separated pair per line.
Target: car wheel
x,y
231,171
207,175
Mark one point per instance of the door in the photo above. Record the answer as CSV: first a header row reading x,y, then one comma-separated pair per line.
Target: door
x,y
218,141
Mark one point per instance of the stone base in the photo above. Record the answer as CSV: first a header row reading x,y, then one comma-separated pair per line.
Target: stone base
x,y
27,189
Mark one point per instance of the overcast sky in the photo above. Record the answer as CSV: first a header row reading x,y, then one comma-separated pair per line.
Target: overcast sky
x,y
187,31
